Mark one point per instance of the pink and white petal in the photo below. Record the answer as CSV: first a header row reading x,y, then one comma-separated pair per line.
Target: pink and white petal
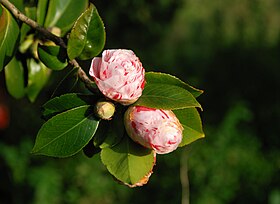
x,y
95,67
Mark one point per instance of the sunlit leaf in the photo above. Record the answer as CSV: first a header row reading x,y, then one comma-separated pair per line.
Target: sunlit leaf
x,y
129,162
9,36
66,133
87,37
54,57
165,96
162,78
14,77
63,13
191,122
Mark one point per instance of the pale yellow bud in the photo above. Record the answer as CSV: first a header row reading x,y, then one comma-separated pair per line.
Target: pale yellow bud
x,y
104,110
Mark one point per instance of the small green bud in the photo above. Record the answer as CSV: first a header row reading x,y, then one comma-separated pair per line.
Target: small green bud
x,y
104,110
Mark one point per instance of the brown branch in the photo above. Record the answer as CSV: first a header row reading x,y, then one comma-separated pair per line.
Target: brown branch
x,y
57,40
32,23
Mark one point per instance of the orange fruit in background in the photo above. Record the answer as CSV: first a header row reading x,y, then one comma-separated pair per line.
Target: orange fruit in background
x,y
4,116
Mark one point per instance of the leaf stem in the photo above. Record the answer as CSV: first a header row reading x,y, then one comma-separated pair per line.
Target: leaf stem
x,y
57,40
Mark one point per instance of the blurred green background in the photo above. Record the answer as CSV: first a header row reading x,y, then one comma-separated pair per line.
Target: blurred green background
x,y
230,49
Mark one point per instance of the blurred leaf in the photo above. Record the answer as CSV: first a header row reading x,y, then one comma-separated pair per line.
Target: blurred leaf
x,y
26,43
9,35
66,102
162,78
54,57
87,37
110,132
38,75
191,122
14,76
128,161
63,13
66,133
165,96
42,8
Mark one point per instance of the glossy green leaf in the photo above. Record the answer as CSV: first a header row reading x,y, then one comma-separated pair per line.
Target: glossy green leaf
x,y
87,37
9,36
162,78
66,102
110,132
42,11
165,96
38,75
54,57
128,162
14,76
66,133
63,13
191,122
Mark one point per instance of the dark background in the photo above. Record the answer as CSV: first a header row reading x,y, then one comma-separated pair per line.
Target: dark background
x,y
231,50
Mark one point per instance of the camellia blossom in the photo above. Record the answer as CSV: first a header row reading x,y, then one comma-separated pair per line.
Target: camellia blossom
x,y
156,129
119,75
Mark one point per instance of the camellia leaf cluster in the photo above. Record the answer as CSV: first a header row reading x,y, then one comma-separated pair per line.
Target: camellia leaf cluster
x,y
99,122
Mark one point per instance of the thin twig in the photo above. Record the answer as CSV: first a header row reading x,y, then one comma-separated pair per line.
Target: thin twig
x,y
184,177
57,40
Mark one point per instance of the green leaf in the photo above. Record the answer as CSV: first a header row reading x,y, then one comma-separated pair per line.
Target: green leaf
x,y
162,78
14,76
110,132
128,162
63,13
87,37
66,133
41,11
9,36
66,102
191,122
54,57
165,96
38,75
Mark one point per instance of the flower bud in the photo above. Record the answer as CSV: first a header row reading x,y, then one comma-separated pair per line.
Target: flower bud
x,y
104,110
119,75
153,128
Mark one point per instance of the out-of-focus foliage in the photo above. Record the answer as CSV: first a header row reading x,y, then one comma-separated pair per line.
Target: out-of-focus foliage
x,y
229,167
231,49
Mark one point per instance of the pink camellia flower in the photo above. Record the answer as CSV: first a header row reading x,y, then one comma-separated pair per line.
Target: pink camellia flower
x,y
154,128
119,75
